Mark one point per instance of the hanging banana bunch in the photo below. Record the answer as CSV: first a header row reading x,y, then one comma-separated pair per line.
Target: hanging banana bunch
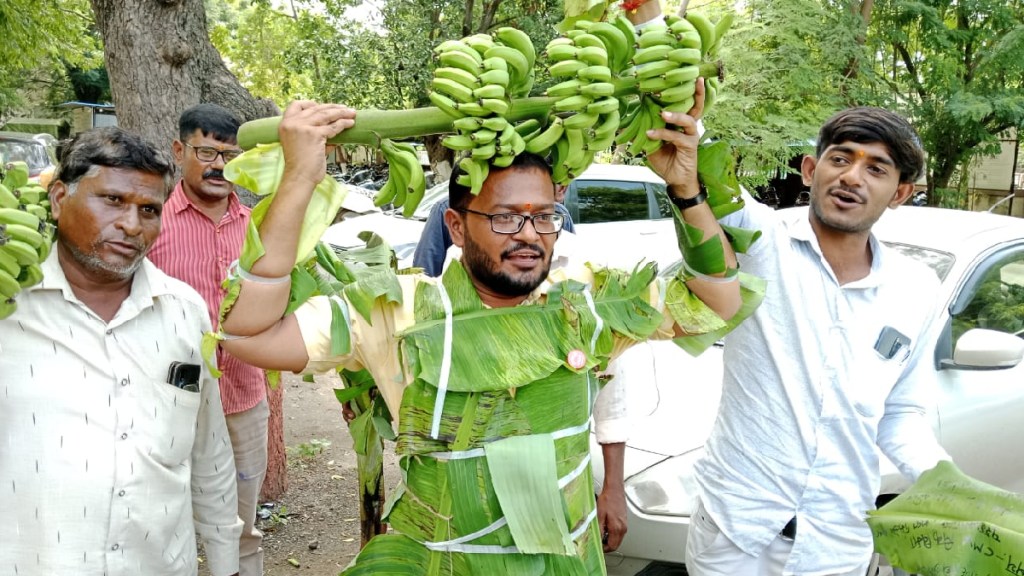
x,y
26,234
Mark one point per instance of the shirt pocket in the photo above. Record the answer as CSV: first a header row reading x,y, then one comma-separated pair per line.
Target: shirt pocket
x,y
876,378
169,422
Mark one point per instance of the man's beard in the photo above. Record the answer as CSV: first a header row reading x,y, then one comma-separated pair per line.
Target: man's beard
x,y
95,264
840,226
488,272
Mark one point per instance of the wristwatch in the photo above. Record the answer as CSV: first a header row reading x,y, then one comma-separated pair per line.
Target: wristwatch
x,y
684,203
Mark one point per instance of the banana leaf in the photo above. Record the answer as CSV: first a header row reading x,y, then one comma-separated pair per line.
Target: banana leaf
x,y
950,523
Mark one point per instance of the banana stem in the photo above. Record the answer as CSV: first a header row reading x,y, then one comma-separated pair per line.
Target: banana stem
x,y
373,125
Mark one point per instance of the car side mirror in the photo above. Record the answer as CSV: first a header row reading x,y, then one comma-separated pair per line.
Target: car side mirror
x,y
982,349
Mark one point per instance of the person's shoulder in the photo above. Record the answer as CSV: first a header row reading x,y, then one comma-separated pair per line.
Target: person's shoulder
x,y
168,287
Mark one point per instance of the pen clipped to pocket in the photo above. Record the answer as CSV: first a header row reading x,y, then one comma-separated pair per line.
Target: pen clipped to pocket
x,y
184,376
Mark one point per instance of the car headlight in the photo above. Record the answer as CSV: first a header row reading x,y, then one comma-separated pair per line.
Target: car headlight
x,y
668,488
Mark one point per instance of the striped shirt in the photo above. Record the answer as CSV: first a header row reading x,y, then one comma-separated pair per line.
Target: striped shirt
x,y
198,252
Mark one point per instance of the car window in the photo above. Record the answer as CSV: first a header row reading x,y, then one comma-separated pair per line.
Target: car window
x,y
593,201
994,297
32,153
940,262
661,197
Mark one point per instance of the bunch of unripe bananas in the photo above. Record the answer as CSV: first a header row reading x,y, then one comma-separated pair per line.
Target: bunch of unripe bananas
x,y
406,182
475,83
26,234
669,58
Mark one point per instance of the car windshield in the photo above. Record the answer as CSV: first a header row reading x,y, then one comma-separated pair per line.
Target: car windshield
x,y
32,153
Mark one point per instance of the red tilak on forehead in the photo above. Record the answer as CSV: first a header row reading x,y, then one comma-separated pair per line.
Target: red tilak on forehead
x,y
860,153
529,206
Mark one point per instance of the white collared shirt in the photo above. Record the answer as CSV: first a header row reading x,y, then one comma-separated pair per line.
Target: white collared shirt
x,y
105,468
807,401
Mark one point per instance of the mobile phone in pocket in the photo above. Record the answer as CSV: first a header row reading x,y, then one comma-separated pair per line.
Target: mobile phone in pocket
x,y
184,376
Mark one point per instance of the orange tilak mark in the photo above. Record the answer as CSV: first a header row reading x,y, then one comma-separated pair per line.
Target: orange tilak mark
x,y
860,153
529,206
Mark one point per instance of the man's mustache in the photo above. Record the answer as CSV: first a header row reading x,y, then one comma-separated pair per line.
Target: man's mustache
x,y
213,174
522,246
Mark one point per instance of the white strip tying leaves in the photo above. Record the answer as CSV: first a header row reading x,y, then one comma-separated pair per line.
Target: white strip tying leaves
x,y
235,270
446,362
447,544
731,275
478,452
564,480
599,321
583,527
662,288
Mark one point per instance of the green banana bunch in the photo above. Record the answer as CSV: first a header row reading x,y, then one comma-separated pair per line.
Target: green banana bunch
x,y
406,182
669,58
26,234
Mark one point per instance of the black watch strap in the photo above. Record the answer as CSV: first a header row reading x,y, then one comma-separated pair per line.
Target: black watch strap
x,y
684,203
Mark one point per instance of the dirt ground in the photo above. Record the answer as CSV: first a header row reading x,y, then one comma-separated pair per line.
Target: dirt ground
x,y
314,528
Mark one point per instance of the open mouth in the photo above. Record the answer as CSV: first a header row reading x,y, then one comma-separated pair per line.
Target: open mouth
x,y
845,197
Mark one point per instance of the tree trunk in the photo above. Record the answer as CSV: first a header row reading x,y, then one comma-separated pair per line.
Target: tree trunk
x,y
160,62
275,484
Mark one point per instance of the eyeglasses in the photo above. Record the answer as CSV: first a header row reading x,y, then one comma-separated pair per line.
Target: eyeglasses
x,y
209,153
510,223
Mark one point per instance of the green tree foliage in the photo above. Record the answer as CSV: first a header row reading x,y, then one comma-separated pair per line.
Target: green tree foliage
x,y
39,37
957,69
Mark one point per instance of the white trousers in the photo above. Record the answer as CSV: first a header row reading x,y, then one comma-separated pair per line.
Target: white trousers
x,y
710,553
248,431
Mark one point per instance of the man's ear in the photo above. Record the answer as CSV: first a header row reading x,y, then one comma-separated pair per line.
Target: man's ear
x,y
178,149
456,226
807,166
58,192
903,192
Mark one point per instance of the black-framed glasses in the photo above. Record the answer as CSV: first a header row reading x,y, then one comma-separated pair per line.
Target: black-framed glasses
x,y
209,153
511,223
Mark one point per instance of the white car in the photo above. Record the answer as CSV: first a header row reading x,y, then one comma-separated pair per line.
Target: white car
x,y
621,214
977,353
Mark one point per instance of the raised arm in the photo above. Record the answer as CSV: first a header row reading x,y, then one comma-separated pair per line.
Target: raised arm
x,y
676,163
271,341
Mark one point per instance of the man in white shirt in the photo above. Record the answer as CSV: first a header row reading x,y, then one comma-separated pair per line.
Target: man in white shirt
x,y
116,450
827,371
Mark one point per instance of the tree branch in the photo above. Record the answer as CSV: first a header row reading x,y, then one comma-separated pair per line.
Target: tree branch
x,y
908,61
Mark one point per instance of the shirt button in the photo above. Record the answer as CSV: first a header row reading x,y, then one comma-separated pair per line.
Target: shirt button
x,y
115,547
124,436
124,382
121,493
109,332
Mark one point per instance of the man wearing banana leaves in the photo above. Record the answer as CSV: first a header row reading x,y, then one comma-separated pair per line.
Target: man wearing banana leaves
x,y
487,371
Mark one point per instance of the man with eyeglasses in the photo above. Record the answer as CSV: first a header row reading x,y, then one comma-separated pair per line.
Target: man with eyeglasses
x,y
204,225
488,372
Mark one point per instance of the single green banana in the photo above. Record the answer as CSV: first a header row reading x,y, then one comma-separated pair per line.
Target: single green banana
x,y
495,105
598,89
594,55
483,136
721,27
577,151
595,74
468,124
683,105
479,42
16,216
497,77
386,194
495,64
559,41
450,46
710,93
628,32
655,38
528,126
614,42
572,103
445,104
540,143
677,93
705,28
686,56
606,128
496,123
9,286
503,161
472,109
603,106
9,264
651,53
516,59
652,69
485,152
30,276
459,142
562,52
38,211
452,89
588,40
683,74
656,84
519,40
29,236
458,75
457,59
559,170
689,40
570,87
506,135
680,26
7,198
16,174
489,91
580,121
566,68
23,253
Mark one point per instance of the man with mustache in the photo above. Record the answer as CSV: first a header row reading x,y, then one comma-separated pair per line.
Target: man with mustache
x,y
204,224
115,453
487,371
830,369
